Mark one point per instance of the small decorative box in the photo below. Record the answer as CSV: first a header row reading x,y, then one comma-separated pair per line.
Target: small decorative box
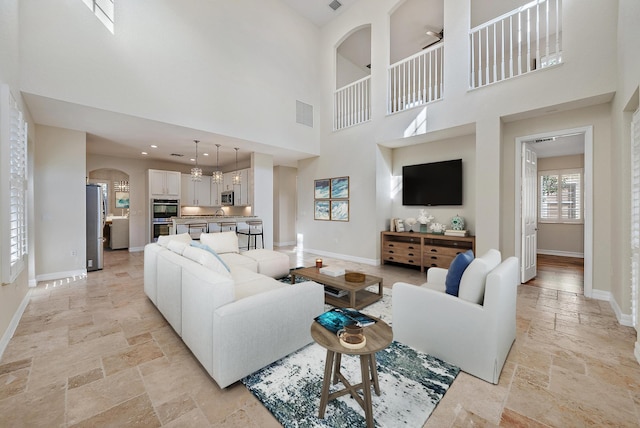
x,y
332,271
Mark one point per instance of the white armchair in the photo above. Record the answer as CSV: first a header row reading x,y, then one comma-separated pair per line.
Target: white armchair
x,y
474,336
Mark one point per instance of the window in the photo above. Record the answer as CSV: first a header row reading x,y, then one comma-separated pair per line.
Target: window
x,y
14,190
104,10
560,196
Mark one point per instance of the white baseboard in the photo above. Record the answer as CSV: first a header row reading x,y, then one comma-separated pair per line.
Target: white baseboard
x,y
560,253
60,275
372,262
623,319
636,351
135,249
284,244
8,334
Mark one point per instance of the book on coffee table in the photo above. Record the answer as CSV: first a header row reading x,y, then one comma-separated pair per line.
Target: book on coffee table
x,y
335,319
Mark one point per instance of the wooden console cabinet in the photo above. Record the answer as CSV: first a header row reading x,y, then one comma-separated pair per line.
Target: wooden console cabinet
x,y
423,249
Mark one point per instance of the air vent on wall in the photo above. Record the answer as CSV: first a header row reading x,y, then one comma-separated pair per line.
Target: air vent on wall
x,y
304,113
335,4
178,155
543,140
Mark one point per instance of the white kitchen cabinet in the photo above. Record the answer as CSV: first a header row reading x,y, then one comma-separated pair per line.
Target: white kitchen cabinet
x,y
243,192
196,193
164,184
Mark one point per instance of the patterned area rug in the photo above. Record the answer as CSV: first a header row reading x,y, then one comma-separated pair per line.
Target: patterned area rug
x,y
411,385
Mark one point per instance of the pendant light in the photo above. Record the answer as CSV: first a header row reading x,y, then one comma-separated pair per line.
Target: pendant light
x,y
237,178
196,173
216,177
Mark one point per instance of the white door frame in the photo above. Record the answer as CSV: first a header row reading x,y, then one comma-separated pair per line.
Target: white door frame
x,y
588,196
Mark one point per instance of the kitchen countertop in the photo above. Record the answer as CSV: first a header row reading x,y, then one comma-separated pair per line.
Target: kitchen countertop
x,y
210,218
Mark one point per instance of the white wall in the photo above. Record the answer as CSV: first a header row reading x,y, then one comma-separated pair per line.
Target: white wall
x,y
263,207
231,67
60,209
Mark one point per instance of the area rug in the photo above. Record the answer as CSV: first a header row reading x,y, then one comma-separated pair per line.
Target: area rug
x,y
411,385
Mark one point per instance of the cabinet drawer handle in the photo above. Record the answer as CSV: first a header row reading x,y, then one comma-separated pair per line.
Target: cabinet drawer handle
x,y
434,258
390,258
411,247
410,254
434,265
391,251
434,250
391,245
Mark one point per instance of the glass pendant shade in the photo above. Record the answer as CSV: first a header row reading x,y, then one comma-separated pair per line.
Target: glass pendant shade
x,y
196,173
216,177
237,178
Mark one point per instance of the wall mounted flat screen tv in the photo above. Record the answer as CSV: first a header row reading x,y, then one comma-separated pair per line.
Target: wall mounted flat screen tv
x,y
429,184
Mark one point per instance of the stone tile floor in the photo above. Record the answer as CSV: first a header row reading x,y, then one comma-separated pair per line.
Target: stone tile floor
x,y
94,351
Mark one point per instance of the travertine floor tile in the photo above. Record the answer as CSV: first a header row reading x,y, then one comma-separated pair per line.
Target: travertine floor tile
x,y
93,351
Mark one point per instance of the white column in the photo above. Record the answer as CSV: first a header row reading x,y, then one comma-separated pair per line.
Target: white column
x,y
488,166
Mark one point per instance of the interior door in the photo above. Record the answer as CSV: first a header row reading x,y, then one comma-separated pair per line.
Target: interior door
x,y
529,213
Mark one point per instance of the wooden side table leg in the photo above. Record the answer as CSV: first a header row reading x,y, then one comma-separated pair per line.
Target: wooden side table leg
x,y
326,381
365,363
374,373
336,367
352,299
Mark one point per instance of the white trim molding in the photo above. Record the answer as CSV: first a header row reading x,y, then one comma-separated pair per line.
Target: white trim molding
x,y
623,319
13,325
372,262
636,351
561,253
62,275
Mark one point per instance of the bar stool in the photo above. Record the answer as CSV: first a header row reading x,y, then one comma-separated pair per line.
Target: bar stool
x,y
254,228
227,226
196,229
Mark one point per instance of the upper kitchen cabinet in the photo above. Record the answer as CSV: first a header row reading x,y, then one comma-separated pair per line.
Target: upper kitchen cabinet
x,y
196,193
164,184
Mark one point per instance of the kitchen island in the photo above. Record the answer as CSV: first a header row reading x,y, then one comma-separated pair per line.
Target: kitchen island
x,y
195,225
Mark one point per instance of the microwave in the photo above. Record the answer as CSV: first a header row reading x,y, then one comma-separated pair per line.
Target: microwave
x,y
226,198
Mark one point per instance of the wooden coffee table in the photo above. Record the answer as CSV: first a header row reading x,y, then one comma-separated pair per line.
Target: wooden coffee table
x,y
357,297
379,336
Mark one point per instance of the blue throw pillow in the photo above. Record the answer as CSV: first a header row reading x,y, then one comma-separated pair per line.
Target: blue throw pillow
x,y
456,269
198,244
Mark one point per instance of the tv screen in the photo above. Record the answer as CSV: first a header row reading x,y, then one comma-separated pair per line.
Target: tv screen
x,y
436,183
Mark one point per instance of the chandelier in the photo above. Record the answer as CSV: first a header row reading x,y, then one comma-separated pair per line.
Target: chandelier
x,y
196,173
216,177
237,178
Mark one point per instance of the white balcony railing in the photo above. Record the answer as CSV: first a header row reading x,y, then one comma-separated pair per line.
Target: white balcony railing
x,y
352,104
416,80
518,42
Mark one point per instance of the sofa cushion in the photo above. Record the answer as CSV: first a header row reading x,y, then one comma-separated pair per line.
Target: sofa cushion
x,y
249,283
456,270
210,250
270,263
206,259
221,242
177,246
473,281
164,240
234,259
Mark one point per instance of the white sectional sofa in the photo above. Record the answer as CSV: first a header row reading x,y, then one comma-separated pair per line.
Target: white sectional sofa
x,y
234,318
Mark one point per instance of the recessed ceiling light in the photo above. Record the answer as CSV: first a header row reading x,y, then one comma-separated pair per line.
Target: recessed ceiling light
x,y
153,146
205,154
145,153
192,160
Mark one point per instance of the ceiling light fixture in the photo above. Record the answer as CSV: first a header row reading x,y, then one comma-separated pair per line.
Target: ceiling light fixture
x,y
196,173
237,178
216,177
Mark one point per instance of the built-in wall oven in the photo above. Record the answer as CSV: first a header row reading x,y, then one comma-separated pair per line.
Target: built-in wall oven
x,y
161,212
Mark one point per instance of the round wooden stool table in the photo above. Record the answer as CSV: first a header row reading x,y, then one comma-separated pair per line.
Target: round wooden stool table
x,y
379,336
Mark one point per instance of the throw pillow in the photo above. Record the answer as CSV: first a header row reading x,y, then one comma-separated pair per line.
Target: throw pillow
x,y
177,246
164,240
221,242
209,249
206,259
473,281
456,269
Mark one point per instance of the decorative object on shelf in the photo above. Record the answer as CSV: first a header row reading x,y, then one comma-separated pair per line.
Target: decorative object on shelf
x,y
318,263
437,228
457,222
410,222
399,225
216,177
451,232
332,195
237,177
424,218
196,173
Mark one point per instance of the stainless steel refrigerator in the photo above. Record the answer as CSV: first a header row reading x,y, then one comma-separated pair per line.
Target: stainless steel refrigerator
x,y
95,225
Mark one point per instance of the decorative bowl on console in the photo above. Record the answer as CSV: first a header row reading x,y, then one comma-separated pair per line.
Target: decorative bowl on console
x,y
437,228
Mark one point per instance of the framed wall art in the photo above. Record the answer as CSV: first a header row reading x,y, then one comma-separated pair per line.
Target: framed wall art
x,y
122,199
321,210
340,188
322,188
340,210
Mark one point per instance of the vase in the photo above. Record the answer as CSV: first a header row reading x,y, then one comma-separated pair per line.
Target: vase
x,y
423,228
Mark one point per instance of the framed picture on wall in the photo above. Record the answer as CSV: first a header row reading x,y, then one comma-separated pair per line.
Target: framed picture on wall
x,y
340,188
321,188
340,210
122,199
321,210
